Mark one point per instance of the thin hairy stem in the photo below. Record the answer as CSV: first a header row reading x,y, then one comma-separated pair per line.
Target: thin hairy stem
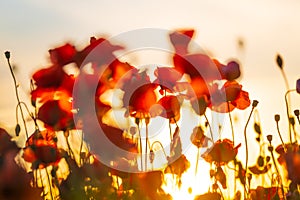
x,y
288,112
147,141
246,145
80,148
141,148
197,160
162,147
210,129
277,125
17,96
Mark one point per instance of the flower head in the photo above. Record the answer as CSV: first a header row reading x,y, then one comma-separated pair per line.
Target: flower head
x,y
167,107
235,97
298,86
41,149
221,152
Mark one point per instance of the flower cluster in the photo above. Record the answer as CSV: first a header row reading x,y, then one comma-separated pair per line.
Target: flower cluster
x,y
78,152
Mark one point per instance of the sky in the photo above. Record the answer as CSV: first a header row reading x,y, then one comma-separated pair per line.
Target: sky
x,y
30,28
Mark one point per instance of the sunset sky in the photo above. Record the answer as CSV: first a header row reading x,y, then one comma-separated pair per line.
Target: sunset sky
x,y
29,28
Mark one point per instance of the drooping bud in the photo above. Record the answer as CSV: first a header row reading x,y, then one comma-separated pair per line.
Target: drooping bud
x,y
7,54
279,61
277,118
254,103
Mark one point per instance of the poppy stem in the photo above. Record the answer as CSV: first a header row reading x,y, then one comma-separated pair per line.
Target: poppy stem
x,y
141,148
17,95
276,168
197,161
277,125
210,129
288,111
232,132
50,184
254,104
66,134
80,149
231,124
146,157
162,147
170,129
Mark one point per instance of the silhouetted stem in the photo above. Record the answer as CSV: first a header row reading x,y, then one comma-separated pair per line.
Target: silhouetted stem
x,y
277,125
170,129
17,95
66,134
277,171
141,148
246,145
146,147
288,112
80,148
162,147
231,124
210,129
197,160
232,132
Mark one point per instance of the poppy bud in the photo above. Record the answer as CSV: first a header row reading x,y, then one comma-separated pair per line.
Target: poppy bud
x,y
277,117
151,156
257,128
269,137
298,86
254,103
17,130
7,54
292,121
133,130
279,61
249,176
260,161
296,112
137,121
270,148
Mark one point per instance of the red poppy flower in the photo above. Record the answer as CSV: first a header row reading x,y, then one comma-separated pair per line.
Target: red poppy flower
x,y
99,51
63,55
264,193
221,152
139,95
56,114
51,77
180,40
234,96
65,89
167,107
5,142
115,135
290,159
198,138
200,104
167,78
41,149
15,182
298,86
230,71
